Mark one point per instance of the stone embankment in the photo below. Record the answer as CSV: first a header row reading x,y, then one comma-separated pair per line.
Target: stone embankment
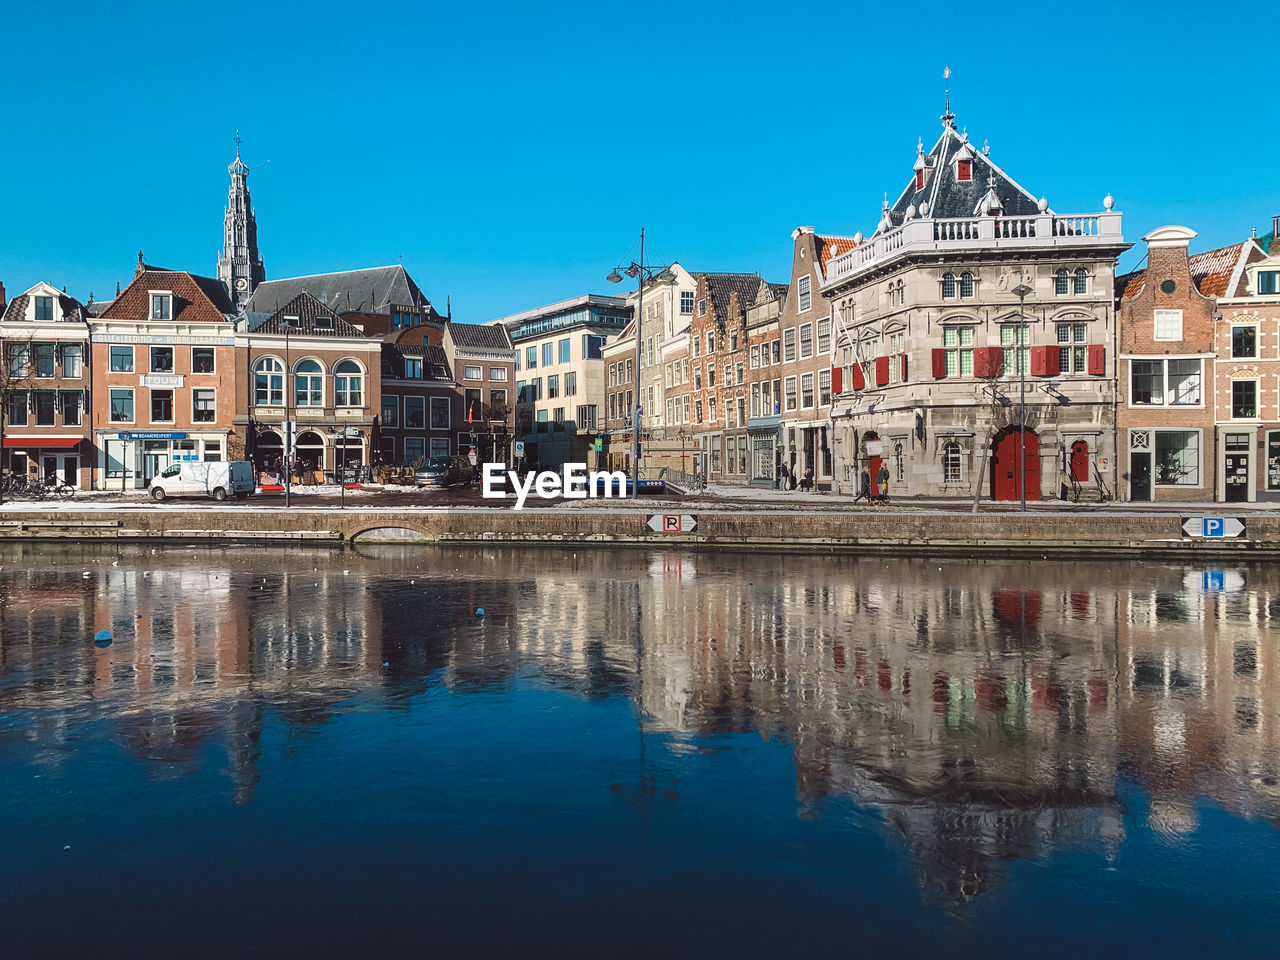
x,y
1151,535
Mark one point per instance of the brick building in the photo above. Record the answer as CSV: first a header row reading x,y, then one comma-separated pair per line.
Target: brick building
x,y
303,365
45,336
163,374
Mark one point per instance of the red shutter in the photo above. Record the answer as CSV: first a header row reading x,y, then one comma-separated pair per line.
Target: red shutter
x,y
1044,361
837,381
904,368
859,381
939,363
882,371
1097,360
982,366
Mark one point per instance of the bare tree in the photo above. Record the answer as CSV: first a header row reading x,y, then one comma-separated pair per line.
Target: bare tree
x,y
15,380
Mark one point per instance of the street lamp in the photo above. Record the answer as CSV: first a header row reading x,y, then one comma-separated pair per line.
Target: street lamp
x,y
1021,291
288,457
638,271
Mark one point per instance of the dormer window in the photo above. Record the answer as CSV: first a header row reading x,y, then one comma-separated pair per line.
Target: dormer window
x,y
1268,281
162,306
964,171
44,308
324,323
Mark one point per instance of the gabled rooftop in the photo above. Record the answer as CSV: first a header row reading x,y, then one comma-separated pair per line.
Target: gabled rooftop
x,y
308,317
371,290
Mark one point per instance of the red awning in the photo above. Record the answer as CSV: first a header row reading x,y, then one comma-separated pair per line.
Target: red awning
x,y
41,443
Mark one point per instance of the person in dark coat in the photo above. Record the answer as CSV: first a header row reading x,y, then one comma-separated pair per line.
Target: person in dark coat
x,y
864,489
882,479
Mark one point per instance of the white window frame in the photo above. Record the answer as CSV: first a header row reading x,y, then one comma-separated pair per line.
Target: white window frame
x,y
164,299
807,396
448,413
789,345
1166,319
1166,388
472,372
805,338
194,392
498,374
790,394
1257,340
804,290
1257,397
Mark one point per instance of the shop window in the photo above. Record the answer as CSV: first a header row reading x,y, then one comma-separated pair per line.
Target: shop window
x,y
1177,458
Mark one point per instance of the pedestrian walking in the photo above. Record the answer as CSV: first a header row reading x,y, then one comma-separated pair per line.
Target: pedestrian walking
x,y
864,489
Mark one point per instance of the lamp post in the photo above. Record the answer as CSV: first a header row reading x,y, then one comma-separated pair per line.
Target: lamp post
x,y
662,274
1021,290
288,456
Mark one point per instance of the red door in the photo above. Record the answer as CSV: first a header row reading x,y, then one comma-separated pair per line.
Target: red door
x,y
874,461
1080,461
1005,481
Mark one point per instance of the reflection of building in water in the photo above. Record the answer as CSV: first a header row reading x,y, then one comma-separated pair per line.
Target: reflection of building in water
x,y
1200,693
187,637
973,707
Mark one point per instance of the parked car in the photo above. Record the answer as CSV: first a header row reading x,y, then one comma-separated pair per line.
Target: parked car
x,y
444,472
202,478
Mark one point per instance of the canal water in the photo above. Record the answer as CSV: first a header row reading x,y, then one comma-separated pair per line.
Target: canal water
x,y
634,753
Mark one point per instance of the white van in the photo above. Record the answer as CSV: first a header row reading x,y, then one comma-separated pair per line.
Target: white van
x,y
216,479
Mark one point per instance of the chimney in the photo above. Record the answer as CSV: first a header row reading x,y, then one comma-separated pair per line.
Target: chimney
x,y
1275,244
1,297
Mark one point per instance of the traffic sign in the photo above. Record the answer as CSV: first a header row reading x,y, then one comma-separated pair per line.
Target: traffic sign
x,y
672,522
599,445
519,448
1213,528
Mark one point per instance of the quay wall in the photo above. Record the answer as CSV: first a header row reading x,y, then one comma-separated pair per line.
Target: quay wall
x,y
899,533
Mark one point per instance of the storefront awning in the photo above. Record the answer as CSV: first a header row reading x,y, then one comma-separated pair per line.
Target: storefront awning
x,y
40,443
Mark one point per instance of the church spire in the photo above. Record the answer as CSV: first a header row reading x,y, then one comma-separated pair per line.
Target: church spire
x,y
239,265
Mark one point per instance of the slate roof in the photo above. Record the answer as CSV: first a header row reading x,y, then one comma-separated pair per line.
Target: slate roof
x,y
721,286
480,336
1216,273
196,299
371,290
433,359
73,311
307,308
949,197
95,309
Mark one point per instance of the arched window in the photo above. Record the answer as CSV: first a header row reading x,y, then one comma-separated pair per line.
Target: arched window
x,y
951,462
948,286
308,379
347,380
1060,283
966,284
902,293
268,383
900,466
1082,280
893,292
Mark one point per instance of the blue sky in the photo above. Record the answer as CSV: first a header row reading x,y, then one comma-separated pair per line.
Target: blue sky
x,y
512,152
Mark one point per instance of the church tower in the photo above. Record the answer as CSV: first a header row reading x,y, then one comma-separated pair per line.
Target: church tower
x,y
239,266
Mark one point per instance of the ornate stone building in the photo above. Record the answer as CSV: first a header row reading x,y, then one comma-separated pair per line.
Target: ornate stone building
x,y
935,350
